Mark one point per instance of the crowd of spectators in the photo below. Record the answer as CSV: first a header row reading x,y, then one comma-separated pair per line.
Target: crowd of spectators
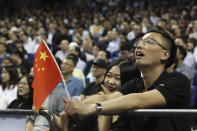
x,y
91,30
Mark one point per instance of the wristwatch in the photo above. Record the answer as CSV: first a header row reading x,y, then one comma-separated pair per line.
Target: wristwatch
x,y
98,107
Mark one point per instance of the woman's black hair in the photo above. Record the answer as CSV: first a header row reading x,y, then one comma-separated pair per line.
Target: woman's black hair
x,y
29,82
128,70
14,77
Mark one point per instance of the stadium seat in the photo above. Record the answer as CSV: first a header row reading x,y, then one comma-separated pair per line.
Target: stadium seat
x,y
194,82
193,95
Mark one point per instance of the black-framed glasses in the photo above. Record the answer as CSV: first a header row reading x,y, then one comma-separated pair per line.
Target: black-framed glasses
x,y
149,40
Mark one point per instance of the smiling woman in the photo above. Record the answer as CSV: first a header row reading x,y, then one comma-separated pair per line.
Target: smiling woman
x,y
25,94
115,78
119,72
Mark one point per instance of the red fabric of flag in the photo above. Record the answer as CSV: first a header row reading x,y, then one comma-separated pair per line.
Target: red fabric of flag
x,y
46,75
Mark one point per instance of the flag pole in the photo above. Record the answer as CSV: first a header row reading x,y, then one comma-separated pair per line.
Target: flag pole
x,y
67,93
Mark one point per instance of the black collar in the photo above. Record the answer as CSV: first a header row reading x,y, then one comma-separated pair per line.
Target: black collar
x,y
158,81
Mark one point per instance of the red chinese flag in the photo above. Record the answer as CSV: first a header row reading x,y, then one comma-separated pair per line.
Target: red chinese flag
x,y
46,75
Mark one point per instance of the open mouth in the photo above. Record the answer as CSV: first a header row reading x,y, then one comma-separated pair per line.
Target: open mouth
x,y
139,54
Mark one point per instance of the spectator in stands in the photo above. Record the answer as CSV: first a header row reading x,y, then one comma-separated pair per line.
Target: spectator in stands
x,y
96,29
189,58
136,30
23,64
52,30
162,23
20,48
191,45
181,67
86,46
63,52
135,35
74,85
3,52
113,43
125,50
146,25
28,44
104,55
194,27
107,26
6,61
86,49
12,36
75,50
125,29
78,72
24,94
9,79
176,30
59,35
33,34
155,52
3,39
79,35
99,70
97,48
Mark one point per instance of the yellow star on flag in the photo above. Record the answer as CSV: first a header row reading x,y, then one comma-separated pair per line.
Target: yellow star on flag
x,y
43,55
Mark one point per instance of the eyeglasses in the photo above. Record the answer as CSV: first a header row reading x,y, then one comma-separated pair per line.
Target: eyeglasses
x,y
150,41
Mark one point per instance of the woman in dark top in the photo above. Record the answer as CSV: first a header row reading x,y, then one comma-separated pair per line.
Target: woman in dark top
x,y
24,94
120,71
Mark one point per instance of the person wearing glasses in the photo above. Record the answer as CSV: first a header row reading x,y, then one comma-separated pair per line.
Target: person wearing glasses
x,y
157,89
24,94
74,85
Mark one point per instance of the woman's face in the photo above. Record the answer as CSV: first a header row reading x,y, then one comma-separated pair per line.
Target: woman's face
x,y
23,88
112,79
5,76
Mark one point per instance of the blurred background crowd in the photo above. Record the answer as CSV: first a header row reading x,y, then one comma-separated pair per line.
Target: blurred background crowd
x,y
91,30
